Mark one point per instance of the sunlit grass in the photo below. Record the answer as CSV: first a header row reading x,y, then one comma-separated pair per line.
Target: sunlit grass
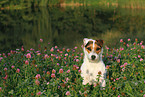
x,y
56,72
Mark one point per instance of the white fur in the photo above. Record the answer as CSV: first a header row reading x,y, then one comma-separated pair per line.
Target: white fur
x,y
90,68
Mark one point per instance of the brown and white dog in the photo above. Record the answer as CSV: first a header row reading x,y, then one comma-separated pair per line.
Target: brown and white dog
x,y
93,64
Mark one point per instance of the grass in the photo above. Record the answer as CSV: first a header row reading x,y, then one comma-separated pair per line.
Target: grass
x,y
56,72
16,4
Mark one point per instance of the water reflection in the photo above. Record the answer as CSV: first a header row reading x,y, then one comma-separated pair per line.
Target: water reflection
x,y
66,27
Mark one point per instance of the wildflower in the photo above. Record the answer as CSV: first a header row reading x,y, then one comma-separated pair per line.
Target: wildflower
x,y
30,50
6,77
38,54
81,54
99,72
18,70
53,75
77,60
79,71
47,72
52,49
107,67
56,47
67,93
82,46
41,40
136,39
39,93
28,55
61,70
1,58
142,46
141,91
141,59
121,48
117,78
27,62
22,48
139,56
76,47
66,54
9,54
123,94
0,89
144,95
127,45
118,60
121,40
47,83
37,82
46,56
67,79
68,71
5,69
124,78
113,88
58,64
53,71
58,50
12,66
68,50
129,39
107,47
124,65
37,76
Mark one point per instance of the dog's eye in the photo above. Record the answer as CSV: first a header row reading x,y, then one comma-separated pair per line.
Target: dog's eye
x,y
89,48
97,49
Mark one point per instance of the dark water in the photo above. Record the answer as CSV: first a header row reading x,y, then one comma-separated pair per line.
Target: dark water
x,y
66,27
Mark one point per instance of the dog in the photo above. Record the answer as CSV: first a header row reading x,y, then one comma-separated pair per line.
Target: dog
x,y
93,68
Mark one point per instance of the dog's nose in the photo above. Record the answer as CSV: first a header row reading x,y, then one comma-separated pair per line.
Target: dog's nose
x,y
93,57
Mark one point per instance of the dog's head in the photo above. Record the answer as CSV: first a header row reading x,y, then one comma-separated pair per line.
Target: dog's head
x,y
93,49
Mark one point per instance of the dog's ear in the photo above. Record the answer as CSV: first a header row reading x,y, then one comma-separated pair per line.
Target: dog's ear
x,y
100,42
85,41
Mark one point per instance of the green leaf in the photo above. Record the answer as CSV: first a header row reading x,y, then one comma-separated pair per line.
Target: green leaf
x,y
11,92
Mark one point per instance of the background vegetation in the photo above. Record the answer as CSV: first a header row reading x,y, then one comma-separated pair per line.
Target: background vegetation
x,y
68,26
20,4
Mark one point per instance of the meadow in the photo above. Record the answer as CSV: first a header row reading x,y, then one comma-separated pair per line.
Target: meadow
x,y
22,4
56,72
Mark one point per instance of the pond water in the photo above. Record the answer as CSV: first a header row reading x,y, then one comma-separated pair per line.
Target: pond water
x,y
66,27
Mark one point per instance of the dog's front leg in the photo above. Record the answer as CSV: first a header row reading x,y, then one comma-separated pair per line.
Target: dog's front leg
x,y
86,78
102,82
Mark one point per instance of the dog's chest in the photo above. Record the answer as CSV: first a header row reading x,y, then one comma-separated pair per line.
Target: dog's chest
x,y
93,69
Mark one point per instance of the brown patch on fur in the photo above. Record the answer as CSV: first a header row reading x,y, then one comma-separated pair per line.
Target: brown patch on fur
x,y
99,42
98,46
89,46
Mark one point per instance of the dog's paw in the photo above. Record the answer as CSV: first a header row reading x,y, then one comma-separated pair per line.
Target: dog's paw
x,y
103,84
102,88
84,83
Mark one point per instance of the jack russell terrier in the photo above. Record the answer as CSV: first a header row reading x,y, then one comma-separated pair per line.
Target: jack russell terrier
x,y
93,68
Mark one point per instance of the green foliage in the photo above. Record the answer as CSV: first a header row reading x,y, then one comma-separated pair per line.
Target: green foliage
x,y
55,72
21,4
